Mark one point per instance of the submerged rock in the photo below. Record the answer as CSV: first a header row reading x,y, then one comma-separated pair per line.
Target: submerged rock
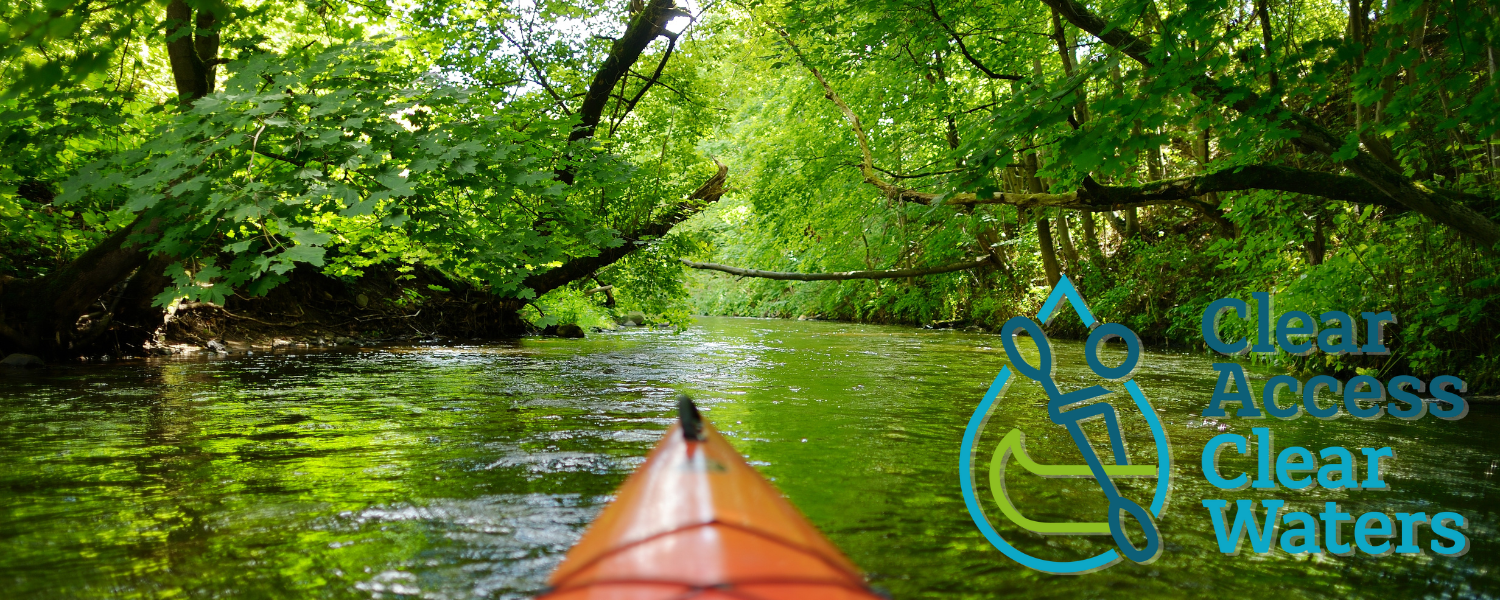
x,y
23,361
570,331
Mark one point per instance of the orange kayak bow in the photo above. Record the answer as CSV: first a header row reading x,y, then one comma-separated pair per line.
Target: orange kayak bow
x,y
696,522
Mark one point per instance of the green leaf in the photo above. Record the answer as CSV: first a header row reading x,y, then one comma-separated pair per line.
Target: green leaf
x,y
312,255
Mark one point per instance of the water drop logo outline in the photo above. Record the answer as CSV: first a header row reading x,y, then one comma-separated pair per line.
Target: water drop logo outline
x,y
1013,443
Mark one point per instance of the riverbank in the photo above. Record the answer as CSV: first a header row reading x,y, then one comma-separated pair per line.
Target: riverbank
x,y
1161,300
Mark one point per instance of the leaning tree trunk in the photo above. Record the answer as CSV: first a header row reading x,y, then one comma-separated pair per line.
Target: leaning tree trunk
x,y
193,50
46,315
138,321
101,302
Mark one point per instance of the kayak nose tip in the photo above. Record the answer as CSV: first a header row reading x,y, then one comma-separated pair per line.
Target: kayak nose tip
x,y
692,421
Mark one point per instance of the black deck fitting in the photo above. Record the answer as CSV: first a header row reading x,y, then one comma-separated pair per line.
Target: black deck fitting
x,y
692,422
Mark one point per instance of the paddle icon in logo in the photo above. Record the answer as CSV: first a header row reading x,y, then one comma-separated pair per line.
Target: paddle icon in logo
x,y
1071,410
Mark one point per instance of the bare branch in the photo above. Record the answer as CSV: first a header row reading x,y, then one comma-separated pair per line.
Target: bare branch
x,y
867,167
536,70
281,157
840,276
932,7
630,105
895,175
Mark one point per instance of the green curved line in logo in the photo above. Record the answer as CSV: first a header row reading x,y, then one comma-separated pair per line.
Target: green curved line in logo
x,y
1014,443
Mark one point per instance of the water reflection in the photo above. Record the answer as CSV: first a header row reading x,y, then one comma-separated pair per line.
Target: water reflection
x,y
465,472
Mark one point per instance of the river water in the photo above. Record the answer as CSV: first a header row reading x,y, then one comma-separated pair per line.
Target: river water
x,y
467,471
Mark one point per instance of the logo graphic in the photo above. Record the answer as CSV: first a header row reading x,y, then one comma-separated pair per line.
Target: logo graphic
x,y
1071,410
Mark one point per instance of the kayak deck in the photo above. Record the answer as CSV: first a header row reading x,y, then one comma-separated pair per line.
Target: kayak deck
x,y
695,521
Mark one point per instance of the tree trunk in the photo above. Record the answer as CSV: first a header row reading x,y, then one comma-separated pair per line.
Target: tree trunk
x,y
1092,247
1359,34
1154,163
1318,246
1043,225
1049,256
1090,235
46,315
42,316
193,49
1263,13
1065,53
1494,137
585,266
1065,240
998,259
644,27
137,322
840,276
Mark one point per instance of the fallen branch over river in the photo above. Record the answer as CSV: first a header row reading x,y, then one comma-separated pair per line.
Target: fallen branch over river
x,y
839,276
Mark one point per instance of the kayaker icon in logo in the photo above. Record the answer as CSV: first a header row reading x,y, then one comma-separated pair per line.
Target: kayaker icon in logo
x,y
1070,410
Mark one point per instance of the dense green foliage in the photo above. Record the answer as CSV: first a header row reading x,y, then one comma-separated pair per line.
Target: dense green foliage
x,y
369,137
1413,83
1160,153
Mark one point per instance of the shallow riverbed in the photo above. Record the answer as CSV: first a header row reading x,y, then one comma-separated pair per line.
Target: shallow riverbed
x,y
467,471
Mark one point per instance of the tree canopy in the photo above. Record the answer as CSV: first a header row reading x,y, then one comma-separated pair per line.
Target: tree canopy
x,y
959,156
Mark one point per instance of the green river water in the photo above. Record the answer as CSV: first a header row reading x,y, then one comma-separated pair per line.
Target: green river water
x,y
450,471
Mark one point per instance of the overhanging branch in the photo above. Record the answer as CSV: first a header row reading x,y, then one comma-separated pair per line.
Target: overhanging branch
x,y
1096,197
650,22
662,64
1373,183
839,276
536,70
1439,205
1182,190
580,267
867,164
932,7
